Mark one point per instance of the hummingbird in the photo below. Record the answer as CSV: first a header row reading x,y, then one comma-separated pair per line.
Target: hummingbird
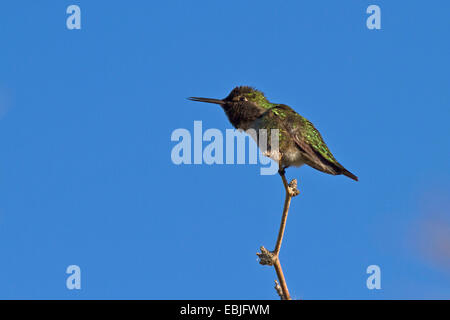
x,y
299,141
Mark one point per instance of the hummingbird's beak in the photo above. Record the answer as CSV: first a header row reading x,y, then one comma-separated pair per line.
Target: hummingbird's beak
x,y
208,100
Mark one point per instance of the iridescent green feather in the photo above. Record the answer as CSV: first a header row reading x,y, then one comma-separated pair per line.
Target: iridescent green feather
x,y
295,124
304,130
259,98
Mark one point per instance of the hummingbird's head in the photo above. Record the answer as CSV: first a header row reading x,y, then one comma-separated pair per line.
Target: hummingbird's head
x,y
242,106
239,96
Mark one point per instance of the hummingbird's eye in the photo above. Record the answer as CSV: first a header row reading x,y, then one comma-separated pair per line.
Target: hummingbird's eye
x,y
242,99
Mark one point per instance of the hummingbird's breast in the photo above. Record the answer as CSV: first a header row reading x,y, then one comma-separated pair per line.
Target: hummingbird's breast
x,y
275,143
292,157
268,132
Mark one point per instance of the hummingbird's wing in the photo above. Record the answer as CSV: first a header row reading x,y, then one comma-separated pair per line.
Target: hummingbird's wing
x,y
309,141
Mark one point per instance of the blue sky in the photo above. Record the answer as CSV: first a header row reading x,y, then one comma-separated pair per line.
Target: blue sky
x,y
86,176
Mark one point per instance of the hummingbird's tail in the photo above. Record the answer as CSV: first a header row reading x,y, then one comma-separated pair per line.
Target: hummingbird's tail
x,y
347,173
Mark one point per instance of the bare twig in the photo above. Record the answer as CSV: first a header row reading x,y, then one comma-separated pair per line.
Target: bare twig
x,y
272,258
279,290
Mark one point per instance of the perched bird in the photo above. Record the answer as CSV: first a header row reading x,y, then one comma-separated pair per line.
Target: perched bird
x,y
299,141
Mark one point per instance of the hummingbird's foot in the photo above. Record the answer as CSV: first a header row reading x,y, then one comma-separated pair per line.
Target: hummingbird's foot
x,y
292,188
266,257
